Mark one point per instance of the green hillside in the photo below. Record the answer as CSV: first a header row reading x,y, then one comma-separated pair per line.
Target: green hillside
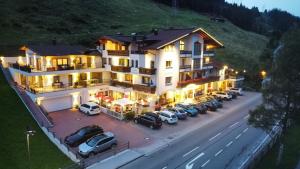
x,y
83,21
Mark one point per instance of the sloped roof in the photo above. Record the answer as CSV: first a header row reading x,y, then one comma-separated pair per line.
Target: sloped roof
x,y
56,50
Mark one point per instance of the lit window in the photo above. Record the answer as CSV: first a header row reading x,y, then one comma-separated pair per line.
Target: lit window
x,y
207,60
168,64
181,45
128,77
168,81
145,80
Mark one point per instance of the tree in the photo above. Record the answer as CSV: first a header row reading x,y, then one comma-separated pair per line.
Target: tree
x,y
281,93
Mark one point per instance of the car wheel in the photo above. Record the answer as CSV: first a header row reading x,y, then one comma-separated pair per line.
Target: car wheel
x,y
135,121
151,127
113,146
189,114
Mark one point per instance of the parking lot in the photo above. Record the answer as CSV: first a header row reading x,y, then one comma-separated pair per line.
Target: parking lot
x,y
141,138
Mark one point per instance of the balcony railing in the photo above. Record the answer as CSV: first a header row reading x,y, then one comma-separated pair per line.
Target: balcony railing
x,y
120,68
123,84
185,53
143,88
147,71
59,86
185,66
138,52
198,81
24,68
118,52
209,53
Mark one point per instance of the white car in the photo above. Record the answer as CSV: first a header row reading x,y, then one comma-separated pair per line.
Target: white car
x,y
223,95
90,108
237,91
168,117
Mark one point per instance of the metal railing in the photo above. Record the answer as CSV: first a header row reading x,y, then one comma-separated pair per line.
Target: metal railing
x,y
118,52
147,71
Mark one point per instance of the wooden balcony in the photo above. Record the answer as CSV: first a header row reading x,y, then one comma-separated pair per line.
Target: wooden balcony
x,y
198,81
186,53
123,84
118,52
147,71
143,88
185,66
120,68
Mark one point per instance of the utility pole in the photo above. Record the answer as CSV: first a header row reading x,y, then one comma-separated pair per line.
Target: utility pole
x,y
29,132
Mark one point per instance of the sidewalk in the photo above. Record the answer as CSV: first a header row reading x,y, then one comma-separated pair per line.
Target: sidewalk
x,y
117,160
298,166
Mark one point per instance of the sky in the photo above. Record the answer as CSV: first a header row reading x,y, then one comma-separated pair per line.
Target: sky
x,y
292,6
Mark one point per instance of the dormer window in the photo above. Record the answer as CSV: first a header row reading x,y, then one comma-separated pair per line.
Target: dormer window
x,y
181,45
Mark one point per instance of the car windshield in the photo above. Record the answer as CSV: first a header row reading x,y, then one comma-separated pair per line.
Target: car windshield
x,y
173,116
93,141
95,107
81,132
181,111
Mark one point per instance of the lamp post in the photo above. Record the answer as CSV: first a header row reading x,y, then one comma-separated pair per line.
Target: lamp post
x,y
29,132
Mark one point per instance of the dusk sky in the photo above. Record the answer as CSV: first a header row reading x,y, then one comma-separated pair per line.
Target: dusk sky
x,y
292,6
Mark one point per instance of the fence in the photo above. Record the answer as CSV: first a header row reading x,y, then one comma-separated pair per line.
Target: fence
x,y
111,113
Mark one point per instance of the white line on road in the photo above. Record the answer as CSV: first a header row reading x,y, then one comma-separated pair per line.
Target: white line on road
x,y
190,151
190,164
234,124
244,162
238,136
227,145
165,167
204,164
260,144
215,136
219,152
246,117
244,131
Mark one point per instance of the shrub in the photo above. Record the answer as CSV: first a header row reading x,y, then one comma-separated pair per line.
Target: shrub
x,y
130,115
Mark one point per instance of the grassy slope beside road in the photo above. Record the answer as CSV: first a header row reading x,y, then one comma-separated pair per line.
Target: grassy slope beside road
x,y
13,121
290,155
80,21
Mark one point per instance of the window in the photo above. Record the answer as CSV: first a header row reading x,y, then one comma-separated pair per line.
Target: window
x,y
113,76
128,77
181,45
168,64
152,64
145,80
197,48
168,81
60,62
56,79
132,63
136,63
109,61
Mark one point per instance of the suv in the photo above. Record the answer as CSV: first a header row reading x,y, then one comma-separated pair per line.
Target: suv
x,y
97,144
168,116
191,111
179,112
237,90
223,95
82,135
90,108
151,120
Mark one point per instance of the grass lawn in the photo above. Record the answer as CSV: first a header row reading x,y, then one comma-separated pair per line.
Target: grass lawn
x,y
14,119
291,153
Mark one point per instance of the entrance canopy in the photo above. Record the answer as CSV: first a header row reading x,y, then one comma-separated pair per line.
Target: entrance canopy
x,y
123,102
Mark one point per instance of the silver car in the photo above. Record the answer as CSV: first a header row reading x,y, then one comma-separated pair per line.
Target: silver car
x,y
97,144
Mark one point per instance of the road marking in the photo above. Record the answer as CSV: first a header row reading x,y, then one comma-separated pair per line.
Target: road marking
x,y
238,136
190,151
244,131
260,144
244,162
246,117
165,167
219,152
204,164
234,124
215,136
190,164
227,145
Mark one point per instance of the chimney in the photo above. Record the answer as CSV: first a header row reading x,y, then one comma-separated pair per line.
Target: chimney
x,y
133,35
54,42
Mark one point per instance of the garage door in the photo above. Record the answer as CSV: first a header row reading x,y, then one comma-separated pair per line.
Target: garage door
x,y
56,104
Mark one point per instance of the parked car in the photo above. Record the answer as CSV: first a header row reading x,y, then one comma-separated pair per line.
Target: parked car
x,y
151,120
179,112
237,90
82,135
168,116
191,111
215,101
90,108
97,144
223,95
208,103
202,109
233,94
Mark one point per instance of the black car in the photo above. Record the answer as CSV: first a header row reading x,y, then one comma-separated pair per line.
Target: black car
x,y
215,102
210,106
202,109
82,135
149,119
233,94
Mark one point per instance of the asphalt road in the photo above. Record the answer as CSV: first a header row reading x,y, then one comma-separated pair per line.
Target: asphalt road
x,y
222,144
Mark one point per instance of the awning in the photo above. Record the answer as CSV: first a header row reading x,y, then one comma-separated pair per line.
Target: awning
x,y
123,102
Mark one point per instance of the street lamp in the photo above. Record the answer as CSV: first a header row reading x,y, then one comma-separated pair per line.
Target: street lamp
x,y
29,132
